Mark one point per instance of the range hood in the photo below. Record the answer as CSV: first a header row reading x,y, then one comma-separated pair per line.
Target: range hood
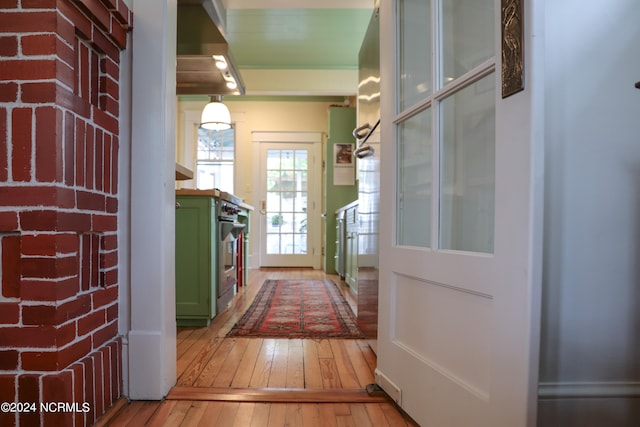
x,y
201,25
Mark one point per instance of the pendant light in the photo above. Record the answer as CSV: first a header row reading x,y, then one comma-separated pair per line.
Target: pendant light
x,y
215,115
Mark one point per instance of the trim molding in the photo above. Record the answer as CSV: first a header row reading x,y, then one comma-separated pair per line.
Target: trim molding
x,y
572,390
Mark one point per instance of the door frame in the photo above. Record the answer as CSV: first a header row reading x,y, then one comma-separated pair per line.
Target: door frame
x,y
314,141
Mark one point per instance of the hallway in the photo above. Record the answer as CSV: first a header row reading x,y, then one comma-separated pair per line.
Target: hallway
x,y
265,382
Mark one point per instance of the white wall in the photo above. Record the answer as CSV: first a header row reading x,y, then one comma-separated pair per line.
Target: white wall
x,y
590,350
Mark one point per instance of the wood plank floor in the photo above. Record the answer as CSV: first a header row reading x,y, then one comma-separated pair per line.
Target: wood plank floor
x,y
265,382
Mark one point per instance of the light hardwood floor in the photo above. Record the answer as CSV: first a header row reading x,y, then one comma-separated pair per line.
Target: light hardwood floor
x,y
265,382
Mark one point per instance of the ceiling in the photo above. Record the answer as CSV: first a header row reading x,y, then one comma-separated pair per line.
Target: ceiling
x,y
297,47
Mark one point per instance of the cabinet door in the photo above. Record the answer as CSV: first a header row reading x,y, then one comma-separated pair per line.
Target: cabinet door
x,y
195,258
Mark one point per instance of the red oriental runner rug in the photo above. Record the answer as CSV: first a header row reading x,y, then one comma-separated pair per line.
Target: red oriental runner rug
x,y
298,309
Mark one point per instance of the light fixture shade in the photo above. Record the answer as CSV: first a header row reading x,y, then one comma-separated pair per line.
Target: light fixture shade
x,y
215,116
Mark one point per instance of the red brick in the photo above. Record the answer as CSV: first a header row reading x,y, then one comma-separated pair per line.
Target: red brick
x,y
39,315
8,4
106,376
67,243
52,315
116,367
8,360
107,163
69,149
39,92
39,44
74,352
48,144
58,388
49,268
9,314
89,388
8,220
112,313
73,221
104,223
108,260
8,46
105,334
34,196
65,73
112,205
27,336
110,68
29,391
118,33
8,92
32,22
33,69
98,386
39,4
89,156
91,322
96,11
11,263
66,334
109,87
39,244
99,166
80,152
81,24
69,100
7,387
114,164
109,105
105,297
22,119
124,15
65,52
78,391
109,242
95,78
38,220
106,121
75,308
4,153
90,201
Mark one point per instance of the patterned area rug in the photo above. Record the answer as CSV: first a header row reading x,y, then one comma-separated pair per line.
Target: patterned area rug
x,y
298,309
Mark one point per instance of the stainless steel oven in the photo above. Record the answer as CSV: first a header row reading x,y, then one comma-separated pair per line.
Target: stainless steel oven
x,y
228,231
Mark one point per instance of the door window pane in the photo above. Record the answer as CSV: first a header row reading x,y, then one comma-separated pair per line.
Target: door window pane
x,y
415,148
415,57
467,36
286,202
468,168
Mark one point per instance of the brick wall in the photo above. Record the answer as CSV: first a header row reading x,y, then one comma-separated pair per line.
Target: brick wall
x,y
59,137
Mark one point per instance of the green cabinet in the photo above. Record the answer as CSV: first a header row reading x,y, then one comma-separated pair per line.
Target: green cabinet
x,y
196,273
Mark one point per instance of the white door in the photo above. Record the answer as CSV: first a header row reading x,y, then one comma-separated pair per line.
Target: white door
x,y
461,187
290,171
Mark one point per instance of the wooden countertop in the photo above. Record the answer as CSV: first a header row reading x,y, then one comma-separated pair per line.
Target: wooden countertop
x,y
208,193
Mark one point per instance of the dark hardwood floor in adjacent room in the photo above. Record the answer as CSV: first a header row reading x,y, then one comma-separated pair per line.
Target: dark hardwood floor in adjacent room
x,y
265,382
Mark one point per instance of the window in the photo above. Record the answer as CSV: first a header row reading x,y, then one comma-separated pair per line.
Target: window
x,y
216,158
445,124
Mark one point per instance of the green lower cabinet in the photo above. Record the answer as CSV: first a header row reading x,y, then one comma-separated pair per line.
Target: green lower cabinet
x,y
196,273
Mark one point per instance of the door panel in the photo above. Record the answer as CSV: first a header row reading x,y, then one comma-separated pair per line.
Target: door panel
x,y
289,220
461,192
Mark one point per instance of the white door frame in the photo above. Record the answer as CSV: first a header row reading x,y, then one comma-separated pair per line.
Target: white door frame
x,y
314,140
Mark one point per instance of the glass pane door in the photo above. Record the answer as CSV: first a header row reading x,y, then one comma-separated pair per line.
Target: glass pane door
x,y
287,196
